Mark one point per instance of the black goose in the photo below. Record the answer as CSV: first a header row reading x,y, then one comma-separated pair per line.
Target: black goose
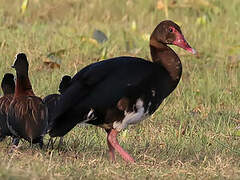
x,y
123,90
27,117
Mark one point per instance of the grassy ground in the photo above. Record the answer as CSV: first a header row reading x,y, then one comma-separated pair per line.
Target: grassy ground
x,y
191,136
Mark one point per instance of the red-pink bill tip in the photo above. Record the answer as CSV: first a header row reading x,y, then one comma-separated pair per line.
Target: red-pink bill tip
x,y
181,42
191,50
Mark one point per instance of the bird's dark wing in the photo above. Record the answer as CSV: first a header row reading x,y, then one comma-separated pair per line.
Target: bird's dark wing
x,y
49,98
51,101
100,84
27,117
4,105
110,76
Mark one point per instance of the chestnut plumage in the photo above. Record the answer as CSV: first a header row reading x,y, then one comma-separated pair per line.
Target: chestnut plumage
x,y
8,87
124,90
28,115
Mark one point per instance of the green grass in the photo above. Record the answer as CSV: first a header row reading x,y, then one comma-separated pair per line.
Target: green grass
x,y
191,136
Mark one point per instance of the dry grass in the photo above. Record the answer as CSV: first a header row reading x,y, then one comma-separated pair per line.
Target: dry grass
x,y
191,136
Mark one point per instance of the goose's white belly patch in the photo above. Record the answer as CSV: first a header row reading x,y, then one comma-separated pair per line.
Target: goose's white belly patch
x,y
132,117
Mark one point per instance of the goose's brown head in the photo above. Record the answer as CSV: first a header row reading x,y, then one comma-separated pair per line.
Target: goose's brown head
x,y
168,32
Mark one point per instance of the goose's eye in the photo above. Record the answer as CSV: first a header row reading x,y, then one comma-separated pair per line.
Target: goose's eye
x,y
170,30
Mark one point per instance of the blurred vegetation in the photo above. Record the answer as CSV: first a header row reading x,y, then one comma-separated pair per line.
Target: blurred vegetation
x,y
191,136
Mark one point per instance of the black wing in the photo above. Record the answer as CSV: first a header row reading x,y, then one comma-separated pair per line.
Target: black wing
x,y
108,80
100,85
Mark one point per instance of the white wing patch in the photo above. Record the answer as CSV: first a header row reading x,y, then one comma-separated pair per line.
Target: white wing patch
x,y
132,117
90,116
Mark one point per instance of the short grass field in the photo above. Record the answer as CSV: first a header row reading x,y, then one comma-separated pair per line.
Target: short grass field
x,y
192,135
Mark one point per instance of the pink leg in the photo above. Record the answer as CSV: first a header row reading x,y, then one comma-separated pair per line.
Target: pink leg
x,y
111,152
111,149
113,144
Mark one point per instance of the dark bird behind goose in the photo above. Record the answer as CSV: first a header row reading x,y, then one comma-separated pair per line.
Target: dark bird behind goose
x,y
51,100
8,87
27,117
124,90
